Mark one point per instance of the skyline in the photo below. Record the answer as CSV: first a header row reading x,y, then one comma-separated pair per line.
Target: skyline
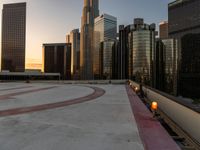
x,y
53,20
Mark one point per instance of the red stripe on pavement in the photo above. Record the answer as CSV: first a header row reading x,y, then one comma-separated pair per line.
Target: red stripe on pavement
x,y
15,111
6,96
16,88
153,135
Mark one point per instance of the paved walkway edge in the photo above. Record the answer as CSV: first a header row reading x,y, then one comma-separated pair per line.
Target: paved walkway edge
x,y
152,134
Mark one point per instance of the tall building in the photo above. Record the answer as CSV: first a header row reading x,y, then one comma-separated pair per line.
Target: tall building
x,y
13,37
171,65
163,30
123,52
183,17
141,51
184,24
189,71
57,59
74,39
90,12
158,66
105,30
106,59
115,60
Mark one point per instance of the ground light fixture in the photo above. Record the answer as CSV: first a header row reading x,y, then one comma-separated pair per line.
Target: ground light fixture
x,y
154,107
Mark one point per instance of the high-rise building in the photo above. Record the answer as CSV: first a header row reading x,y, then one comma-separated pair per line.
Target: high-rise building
x,y
74,39
13,37
163,30
68,38
158,66
141,51
184,24
171,65
115,60
106,59
105,30
90,12
57,59
189,69
123,52
183,17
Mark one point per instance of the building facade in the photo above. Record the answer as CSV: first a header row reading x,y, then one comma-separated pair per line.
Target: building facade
x,y
141,41
74,39
123,52
90,12
189,72
57,59
183,17
163,30
184,22
105,30
171,65
106,59
158,66
13,37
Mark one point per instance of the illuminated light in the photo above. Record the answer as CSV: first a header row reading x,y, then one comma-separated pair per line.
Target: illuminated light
x,y
154,105
136,89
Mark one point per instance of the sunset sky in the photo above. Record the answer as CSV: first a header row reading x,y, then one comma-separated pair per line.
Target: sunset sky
x,y
48,21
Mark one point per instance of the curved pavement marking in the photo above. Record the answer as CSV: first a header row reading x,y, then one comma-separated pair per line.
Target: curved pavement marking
x,y
98,92
6,96
16,88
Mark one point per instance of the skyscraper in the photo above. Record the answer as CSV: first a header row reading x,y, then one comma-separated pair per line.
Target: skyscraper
x,y
57,59
183,17
171,65
13,37
184,25
141,51
90,12
158,66
163,30
106,59
123,52
74,39
105,30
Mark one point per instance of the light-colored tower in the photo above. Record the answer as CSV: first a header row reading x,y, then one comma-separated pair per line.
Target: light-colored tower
x,y
105,32
90,12
74,39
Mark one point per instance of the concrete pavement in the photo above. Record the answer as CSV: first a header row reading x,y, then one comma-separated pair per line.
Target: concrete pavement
x,y
103,123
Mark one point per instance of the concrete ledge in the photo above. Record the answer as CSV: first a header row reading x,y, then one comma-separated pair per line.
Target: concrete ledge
x,y
153,135
186,117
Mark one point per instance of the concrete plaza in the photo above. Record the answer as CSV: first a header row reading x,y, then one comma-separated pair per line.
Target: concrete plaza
x,y
37,116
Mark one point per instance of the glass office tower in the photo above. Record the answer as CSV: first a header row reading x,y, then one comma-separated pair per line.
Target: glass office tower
x,y
13,37
105,30
184,24
171,65
74,39
141,51
106,59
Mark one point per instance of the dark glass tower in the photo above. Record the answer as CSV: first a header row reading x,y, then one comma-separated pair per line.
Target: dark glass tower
x,y
183,17
57,59
184,24
90,12
13,37
123,52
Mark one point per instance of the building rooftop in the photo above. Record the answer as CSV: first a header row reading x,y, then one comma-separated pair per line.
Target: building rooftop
x,y
51,115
